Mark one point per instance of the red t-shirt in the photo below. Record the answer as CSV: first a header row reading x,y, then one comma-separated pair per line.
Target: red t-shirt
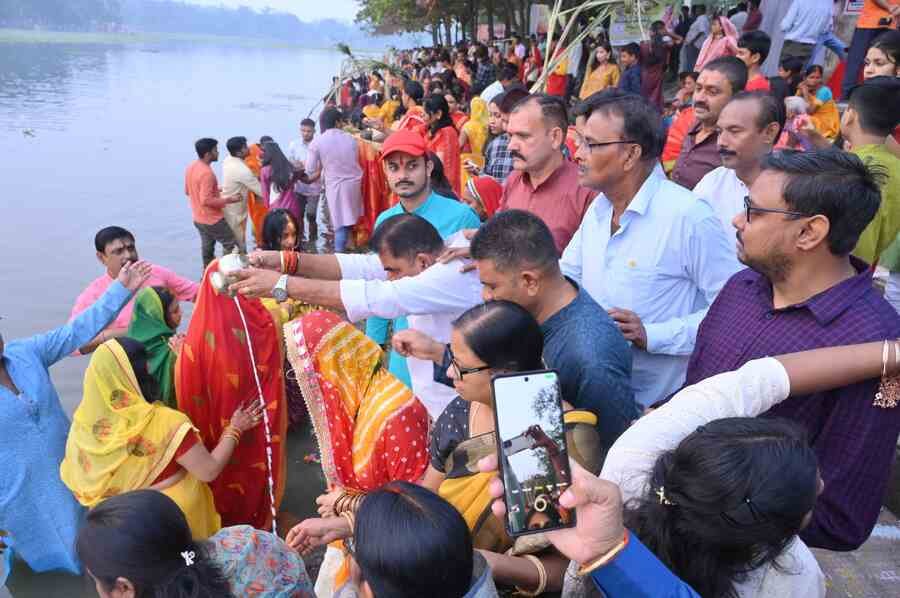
x,y
758,83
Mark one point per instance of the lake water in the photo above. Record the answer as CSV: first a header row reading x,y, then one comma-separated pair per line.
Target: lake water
x,y
97,135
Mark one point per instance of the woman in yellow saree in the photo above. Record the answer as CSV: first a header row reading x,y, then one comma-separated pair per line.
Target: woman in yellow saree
x,y
497,337
473,137
370,428
823,111
122,439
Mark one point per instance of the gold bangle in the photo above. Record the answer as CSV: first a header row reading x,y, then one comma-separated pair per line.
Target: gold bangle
x,y
338,506
351,520
281,255
542,577
604,559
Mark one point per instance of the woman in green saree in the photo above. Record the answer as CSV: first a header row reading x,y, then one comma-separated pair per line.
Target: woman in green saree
x,y
156,317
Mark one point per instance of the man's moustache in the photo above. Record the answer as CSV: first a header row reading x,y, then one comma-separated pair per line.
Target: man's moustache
x,y
517,155
703,105
725,152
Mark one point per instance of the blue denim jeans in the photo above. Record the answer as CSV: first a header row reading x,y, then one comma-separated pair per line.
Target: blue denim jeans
x,y
340,238
827,40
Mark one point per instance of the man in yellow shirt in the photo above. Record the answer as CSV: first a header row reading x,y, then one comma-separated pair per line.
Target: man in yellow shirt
x,y
869,119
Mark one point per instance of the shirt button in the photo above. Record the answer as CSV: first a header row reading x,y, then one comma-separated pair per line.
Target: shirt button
x,y
769,315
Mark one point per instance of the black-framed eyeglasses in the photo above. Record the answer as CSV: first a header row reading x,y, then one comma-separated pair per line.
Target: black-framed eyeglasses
x,y
461,371
581,141
751,208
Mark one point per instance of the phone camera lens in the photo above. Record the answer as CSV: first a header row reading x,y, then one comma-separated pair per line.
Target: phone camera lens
x,y
526,378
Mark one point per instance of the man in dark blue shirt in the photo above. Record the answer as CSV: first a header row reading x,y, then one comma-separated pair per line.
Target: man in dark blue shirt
x,y
630,59
517,261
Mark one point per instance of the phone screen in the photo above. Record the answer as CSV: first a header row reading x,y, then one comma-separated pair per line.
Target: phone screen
x,y
532,452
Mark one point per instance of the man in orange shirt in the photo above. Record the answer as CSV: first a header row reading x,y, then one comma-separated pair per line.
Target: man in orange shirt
x,y
202,187
877,16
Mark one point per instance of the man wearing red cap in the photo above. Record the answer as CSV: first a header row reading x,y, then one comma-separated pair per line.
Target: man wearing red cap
x,y
408,170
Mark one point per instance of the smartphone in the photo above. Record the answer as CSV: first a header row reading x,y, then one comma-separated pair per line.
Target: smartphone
x,y
532,451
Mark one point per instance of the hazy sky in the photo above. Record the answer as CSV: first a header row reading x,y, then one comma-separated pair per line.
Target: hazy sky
x,y
307,10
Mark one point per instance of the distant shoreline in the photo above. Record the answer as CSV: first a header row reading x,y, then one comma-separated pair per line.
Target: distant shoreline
x,y
33,36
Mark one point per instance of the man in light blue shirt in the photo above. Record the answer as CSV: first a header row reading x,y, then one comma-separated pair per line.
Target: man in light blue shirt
x,y
804,22
408,172
649,251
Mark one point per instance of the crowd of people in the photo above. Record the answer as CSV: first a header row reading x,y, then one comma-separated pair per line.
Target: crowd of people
x,y
715,278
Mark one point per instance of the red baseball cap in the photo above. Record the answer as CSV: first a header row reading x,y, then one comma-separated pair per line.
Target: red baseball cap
x,y
406,142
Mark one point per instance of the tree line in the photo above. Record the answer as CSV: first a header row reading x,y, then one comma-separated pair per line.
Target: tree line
x,y
450,20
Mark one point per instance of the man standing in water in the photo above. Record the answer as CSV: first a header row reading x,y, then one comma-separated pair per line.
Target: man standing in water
x,y
307,194
238,180
116,247
334,155
36,509
207,203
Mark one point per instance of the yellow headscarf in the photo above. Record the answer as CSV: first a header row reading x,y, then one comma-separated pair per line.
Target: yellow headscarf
x,y
476,127
118,441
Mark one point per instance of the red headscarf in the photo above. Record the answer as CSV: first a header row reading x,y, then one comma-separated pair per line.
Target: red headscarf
x,y
489,192
213,377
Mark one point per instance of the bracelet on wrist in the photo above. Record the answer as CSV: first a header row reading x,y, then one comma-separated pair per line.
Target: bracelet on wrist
x,y
604,559
542,577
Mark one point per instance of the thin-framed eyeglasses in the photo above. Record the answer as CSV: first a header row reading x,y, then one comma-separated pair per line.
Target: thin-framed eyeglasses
x,y
751,208
590,145
460,371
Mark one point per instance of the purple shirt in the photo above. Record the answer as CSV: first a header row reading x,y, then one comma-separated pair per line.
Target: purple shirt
x,y
853,440
696,159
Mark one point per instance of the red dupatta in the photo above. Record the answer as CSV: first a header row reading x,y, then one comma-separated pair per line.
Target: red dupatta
x,y
445,143
213,377
370,428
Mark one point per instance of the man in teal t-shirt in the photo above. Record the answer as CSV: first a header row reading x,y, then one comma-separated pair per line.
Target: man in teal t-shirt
x,y
408,170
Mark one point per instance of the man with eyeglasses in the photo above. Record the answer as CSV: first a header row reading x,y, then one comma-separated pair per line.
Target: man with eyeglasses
x,y
748,127
649,251
516,259
803,290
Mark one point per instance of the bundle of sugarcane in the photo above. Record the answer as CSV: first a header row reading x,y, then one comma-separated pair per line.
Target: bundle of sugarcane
x,y
556,51
354,66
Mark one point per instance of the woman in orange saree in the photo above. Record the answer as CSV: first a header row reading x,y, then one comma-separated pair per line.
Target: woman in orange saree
x,y
213,376
255,205
443,140
370,428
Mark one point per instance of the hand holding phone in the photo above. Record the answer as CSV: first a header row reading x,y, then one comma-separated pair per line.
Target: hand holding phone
x,y
532,451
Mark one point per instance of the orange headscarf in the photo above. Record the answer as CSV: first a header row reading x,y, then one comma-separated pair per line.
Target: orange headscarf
x,y
255,205
213,377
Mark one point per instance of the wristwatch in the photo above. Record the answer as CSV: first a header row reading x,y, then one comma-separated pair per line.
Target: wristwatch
x,y
280,291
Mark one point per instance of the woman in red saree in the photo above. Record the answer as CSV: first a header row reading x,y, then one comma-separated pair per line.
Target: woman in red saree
x,y
454,97
213,376
443,139
370,428
414,117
